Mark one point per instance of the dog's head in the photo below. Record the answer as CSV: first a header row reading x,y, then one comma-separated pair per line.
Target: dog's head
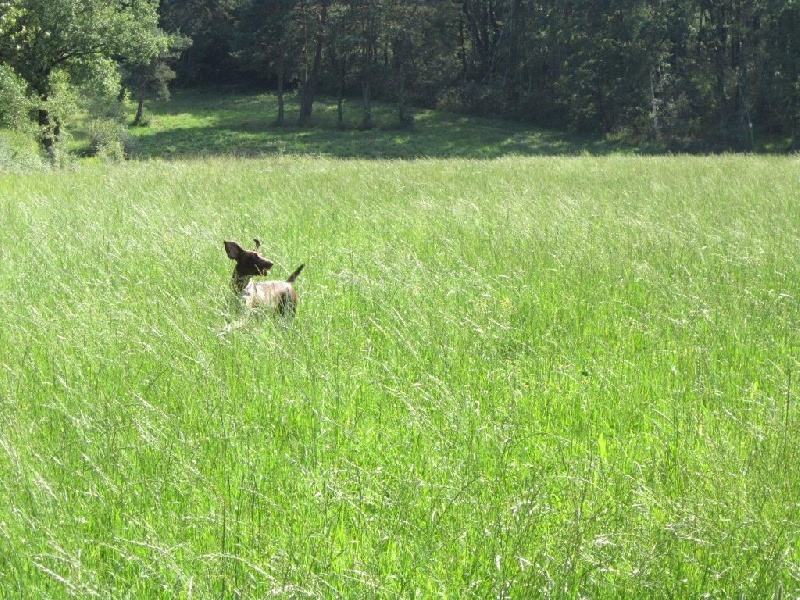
x,y
248,262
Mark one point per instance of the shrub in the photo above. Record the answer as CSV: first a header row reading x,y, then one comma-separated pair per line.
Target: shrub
x,y
19,152
109,139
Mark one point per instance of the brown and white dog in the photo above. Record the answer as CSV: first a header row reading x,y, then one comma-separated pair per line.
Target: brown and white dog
x,y
275,295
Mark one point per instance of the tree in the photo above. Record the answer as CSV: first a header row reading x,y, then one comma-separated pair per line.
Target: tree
x,y
210,24
402,24
342,49
315,19
365,25
265,42
679,71
78,40
148,80
778,103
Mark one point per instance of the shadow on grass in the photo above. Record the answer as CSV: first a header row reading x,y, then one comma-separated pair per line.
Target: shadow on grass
x,y
196,124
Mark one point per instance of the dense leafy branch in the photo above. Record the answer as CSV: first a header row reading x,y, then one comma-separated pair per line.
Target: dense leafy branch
x,y
54,44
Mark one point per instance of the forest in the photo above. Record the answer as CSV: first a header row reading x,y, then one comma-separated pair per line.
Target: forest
x,y
689,74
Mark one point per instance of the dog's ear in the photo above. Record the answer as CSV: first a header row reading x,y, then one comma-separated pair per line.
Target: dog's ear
x,y
234,250
257,242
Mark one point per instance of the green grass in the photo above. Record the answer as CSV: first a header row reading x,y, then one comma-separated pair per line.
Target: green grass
x,y
199,124
527,377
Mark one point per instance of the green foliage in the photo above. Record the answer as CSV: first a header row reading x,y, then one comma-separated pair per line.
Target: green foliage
x,y
15,106
19,152
18,146
55,44
78,38
524,377
473,99
210,60
99,78
108,139
62,102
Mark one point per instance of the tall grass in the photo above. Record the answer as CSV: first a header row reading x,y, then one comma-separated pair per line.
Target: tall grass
x,y
554,377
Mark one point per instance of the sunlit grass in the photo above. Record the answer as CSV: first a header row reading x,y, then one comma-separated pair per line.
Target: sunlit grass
x,y
197,123
525,377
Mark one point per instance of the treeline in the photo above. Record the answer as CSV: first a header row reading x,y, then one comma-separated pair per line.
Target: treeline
x,y
685,73
679,71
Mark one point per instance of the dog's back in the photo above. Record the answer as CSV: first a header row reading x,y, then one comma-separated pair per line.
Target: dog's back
x,y
276,295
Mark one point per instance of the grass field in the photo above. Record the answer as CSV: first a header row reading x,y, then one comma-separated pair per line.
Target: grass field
x,y
524,377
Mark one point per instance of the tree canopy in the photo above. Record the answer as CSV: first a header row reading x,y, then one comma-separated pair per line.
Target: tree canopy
x,y
53,46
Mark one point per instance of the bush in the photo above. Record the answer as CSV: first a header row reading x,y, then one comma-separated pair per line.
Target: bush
x,y
20,152
109,139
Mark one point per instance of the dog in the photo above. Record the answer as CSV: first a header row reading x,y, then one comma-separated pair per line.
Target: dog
x,y
279,296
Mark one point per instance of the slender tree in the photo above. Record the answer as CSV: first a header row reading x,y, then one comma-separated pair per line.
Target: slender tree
x,y
266,42
317,17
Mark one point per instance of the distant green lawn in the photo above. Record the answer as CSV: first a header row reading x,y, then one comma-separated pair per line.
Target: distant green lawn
x,y
196,124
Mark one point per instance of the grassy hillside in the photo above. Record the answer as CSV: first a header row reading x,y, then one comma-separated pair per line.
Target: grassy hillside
x,y
564,377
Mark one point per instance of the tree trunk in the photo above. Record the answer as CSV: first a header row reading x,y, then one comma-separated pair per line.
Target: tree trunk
x,y
720,50
310,87
403,114
367,68
654,104
50,130
366,123
340,95
403,53
281,66
340,66
139,107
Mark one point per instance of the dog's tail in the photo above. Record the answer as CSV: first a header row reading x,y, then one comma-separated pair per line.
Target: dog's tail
x,y
294,275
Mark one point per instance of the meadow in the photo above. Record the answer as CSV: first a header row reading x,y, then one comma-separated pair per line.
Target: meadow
x,y
564,377
198,124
